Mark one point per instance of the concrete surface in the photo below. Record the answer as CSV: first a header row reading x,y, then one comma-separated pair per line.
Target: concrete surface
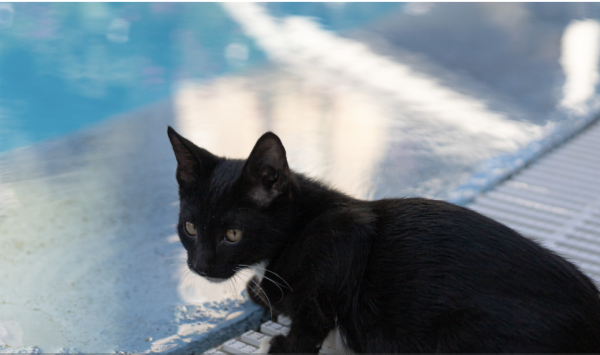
x,y
438,100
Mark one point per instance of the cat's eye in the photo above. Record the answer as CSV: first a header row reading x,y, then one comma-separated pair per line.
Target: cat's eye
x,y
190,229
233,235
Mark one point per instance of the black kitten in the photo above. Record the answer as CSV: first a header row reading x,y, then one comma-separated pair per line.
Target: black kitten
x,y
395,275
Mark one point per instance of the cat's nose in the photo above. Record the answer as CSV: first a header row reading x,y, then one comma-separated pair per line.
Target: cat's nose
x,y
199,271
201,264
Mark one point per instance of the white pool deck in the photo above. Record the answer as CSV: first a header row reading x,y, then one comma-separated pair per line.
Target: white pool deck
x,y
90,261
556,201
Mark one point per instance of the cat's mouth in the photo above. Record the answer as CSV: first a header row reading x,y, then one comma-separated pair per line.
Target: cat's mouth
x,y
214,280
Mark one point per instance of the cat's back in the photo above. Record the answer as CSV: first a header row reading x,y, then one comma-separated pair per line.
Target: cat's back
x,y
446,237
443,236
440,275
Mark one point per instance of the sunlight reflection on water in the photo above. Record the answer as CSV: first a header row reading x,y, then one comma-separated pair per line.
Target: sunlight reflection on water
x,y
579,59
422,100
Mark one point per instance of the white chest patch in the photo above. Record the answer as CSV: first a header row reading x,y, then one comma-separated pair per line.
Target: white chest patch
x,y
259,269
333,343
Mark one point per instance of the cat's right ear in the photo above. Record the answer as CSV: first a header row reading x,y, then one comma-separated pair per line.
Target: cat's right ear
x,y
194,164
266,172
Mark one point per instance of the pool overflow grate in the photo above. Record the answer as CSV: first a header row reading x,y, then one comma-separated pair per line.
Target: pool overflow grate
x,y
555,201
256,342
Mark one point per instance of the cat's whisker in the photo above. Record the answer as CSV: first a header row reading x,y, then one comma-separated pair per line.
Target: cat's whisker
x,y
279,286
175,263
230,288
273,281
174,259
174,183
266,270
178,259
237,275
183,279
195,280
166,193
233,279
237,295
281,278
264,293
183,274
191,279
276,284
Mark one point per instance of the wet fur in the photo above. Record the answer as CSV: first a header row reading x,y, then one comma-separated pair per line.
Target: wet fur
x,y
395,275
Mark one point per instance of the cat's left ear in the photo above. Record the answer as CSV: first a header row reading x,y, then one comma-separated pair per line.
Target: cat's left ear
x,y
266,172
194,164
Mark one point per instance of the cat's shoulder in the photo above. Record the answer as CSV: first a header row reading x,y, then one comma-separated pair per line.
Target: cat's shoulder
x,y
421,209
392,210
346,215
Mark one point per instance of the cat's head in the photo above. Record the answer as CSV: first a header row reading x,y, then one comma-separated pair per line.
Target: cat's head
x,y
232,212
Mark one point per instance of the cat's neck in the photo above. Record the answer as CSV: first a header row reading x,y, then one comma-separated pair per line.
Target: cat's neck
x,y
313,198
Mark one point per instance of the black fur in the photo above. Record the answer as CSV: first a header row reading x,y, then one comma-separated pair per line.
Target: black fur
x,y
395,275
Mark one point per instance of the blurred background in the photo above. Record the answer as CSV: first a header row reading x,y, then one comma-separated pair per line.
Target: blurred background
x,y
439,100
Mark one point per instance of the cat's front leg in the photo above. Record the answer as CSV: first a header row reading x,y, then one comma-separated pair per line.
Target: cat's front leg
x,y
278,345
310,326
256,293
293,344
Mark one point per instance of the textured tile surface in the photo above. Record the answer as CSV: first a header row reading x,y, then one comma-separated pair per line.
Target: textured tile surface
x,y
436,100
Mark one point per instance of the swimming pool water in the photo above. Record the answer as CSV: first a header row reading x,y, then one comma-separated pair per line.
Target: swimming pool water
x,y
378,99
64,66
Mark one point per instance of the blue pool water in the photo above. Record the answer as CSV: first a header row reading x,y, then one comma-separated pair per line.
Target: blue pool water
x,y
64,66
440,100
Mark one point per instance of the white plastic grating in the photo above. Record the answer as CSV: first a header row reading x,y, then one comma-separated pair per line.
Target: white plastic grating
x,y
255,342
556,201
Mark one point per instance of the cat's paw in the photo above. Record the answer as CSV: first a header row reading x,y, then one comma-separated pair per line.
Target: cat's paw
x,y
282,344
256,294
264,347
277,345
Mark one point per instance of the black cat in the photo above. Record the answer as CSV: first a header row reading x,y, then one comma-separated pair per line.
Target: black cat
x,y
395,275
